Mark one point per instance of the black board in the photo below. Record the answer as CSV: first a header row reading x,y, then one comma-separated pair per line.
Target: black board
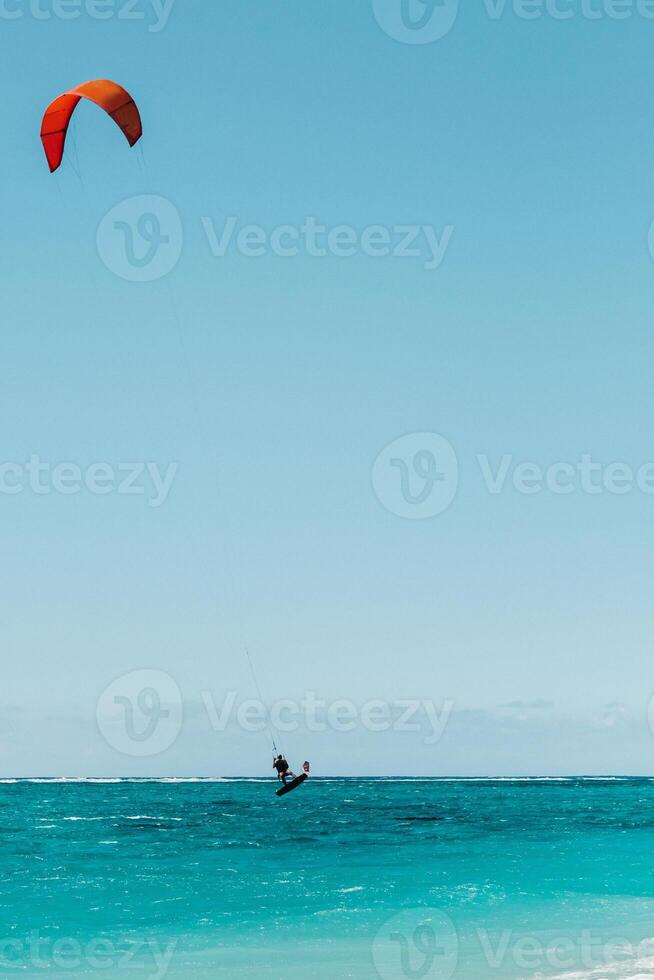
x,y
294,783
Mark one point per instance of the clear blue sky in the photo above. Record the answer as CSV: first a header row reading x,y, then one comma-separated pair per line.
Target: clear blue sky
x,y
275,382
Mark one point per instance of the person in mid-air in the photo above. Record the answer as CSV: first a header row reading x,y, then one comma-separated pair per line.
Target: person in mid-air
x,y
281,765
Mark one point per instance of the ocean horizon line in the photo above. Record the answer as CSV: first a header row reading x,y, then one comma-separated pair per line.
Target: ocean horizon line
x,y
244,777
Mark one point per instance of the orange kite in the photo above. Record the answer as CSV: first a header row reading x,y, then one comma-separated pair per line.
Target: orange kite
x,y
109,96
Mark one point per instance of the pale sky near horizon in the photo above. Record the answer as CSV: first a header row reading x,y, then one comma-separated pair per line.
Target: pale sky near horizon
x,y
516,154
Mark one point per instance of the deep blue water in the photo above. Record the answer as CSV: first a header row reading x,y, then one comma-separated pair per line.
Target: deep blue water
x,y
342,878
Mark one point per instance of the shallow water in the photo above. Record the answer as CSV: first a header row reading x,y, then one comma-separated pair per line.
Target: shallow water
x,y
342,878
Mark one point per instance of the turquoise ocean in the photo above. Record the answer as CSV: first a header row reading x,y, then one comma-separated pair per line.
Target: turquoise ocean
x,y
405,878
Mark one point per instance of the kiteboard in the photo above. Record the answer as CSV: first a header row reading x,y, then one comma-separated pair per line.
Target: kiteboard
x,y
294,783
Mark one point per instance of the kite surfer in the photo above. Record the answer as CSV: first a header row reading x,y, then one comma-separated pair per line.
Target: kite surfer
x,y
283,771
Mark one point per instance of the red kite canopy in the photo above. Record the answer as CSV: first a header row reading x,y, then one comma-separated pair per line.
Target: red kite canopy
x,y
109,96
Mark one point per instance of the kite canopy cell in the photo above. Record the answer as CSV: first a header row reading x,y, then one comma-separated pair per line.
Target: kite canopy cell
x,y
108,95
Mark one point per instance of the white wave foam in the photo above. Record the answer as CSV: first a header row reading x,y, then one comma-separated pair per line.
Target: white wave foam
x,y
146,817
639,967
